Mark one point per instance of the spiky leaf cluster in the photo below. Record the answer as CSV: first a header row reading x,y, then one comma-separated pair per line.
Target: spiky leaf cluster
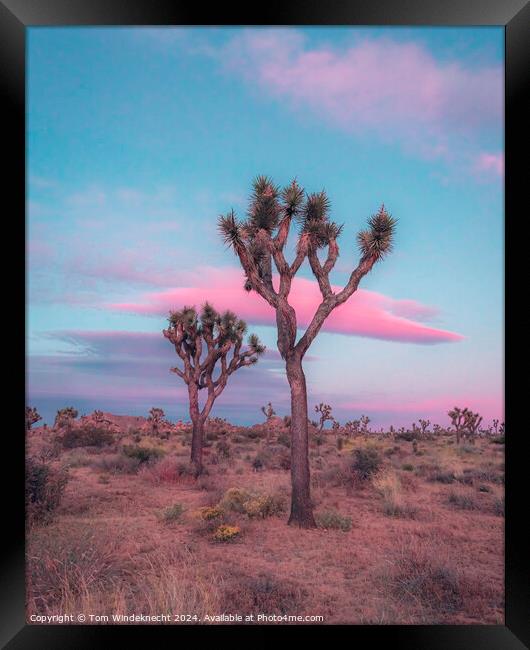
x,y
265,210
378,239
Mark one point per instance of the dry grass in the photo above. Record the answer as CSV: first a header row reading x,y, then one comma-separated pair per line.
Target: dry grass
x,y
397,546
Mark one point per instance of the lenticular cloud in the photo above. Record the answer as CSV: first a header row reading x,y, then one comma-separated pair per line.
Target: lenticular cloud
x,y
367,313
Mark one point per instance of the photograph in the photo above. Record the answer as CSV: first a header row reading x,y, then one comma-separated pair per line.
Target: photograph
x,y
265,325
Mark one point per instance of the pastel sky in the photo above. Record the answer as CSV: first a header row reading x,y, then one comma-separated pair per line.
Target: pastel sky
x,y
138,138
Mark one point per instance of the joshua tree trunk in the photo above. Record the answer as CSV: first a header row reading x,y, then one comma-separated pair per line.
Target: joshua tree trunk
x,y
301,506
198,429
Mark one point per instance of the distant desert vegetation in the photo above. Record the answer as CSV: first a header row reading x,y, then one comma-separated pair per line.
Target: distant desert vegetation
x,y
410,523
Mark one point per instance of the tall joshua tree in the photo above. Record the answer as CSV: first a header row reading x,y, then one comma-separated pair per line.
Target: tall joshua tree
x,y
203,341
259,241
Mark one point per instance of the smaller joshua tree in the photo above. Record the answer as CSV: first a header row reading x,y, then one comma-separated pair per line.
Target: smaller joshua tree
x,y
203,341
156,417
364,422
65,417
268,411
32,417
424,425
458,418
325,414
472,425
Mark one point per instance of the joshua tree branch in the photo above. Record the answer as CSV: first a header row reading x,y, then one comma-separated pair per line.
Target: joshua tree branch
x,y
364,267
321,276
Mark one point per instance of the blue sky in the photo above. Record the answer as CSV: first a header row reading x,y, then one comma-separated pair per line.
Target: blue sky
x,y
139,138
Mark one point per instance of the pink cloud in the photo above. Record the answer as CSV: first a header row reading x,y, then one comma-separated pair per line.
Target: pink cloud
x,y
367,313
381,84
490,162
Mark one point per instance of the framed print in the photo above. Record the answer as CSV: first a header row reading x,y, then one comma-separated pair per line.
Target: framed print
x,y
267,361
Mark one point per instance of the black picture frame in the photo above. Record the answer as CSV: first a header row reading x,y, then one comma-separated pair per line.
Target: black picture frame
x,y
15,17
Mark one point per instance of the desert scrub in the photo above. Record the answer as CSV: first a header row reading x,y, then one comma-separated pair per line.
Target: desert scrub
x,y
45,486
225,533
249,594
388,486
173,513
366,463
234,500
498,507
116,464
143,454
254,505
207,513
407,467
223,449
86,436
331,519
462,501
265,505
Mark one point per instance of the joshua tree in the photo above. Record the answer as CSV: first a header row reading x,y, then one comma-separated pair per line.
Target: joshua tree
x,y
268,411
258,242
65,417
32,416
325,414
352,427
202,341
155,418
424,424
462,420
471,424
364,422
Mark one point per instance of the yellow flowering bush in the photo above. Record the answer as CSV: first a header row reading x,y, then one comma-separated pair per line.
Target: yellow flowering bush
x,y
210,512
226,533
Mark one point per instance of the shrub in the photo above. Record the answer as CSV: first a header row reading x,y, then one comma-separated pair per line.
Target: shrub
x,y
498,440
226,533
254,505
44,490
265,505
223,449
86,436
366,463
207,513
441,476
264,593
328,519
117,464
234,500
167,470
340,443
407,467
420,578
284,439
498,507
143,454
173,513
462,501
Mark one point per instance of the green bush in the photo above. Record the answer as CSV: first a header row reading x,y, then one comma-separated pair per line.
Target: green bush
x,y
332,519
366,463
86,436
173,513
117,464
44,490
143,454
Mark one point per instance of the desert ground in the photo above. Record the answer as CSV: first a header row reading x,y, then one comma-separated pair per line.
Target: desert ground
x,y
410,531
